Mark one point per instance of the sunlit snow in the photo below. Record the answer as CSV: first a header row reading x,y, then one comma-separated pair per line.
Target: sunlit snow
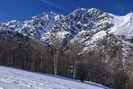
x,y
11,78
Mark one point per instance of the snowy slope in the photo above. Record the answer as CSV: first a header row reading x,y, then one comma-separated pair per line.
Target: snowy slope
x,y
123,25
18,79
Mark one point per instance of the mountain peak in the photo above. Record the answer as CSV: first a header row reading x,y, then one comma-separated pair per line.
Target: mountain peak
x,y
89,9
89,12
94,9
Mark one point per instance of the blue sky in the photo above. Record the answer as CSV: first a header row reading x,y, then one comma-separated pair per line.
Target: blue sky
x,y
23,9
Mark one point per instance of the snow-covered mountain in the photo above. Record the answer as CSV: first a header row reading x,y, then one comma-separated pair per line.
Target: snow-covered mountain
x,y
84,25
79,21
102,36
81,24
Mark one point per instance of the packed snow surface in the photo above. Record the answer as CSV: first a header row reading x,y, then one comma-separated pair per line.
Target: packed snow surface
x,y
11,78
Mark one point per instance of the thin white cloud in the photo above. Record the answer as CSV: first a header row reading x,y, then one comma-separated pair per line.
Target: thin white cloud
x,y
53,4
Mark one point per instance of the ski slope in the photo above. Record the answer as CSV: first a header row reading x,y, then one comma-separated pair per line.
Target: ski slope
x,y
11,78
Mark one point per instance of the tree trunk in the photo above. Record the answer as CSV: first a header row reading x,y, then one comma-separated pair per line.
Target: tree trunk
x,y
56,62
74,70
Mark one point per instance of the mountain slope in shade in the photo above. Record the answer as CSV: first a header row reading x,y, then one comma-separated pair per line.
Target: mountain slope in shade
x,y
18,79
